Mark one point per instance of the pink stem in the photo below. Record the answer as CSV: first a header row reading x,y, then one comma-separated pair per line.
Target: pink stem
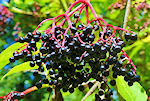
x,y
87,15
83,55
77,8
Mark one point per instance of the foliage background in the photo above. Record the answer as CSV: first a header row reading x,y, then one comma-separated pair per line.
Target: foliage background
x,y
29,13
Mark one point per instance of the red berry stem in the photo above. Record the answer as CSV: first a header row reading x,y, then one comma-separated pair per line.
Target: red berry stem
x,y
30,90
87,15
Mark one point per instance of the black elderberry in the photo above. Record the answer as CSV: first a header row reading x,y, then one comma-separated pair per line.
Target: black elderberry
x,y
113,82
37,57
49,89
119,64
36,38
38,33
48,66
126,78
122,57
26,39
29,48
89,29
73,24
76,15
121,43
127,36
38,85
45,37
51,82
96,27
20,55
106,73
29,35
77,59
101,92
90,84
45,81
32,64
123,72
102,68
41,69
71,90
103,86
117,49
43,50
91,37
134,37
43,59
97,98
80,26
100,34
81,87
130,74
25,52
38,62
114,75
107,96
73,30
103,50
136,78
21,40
16,96
130,83
12,59
35,73
29,57
33,44
109,32
16,56
65,89
51,72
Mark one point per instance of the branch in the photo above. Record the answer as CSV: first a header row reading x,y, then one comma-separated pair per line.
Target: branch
x,y
57,96
126,14
91,91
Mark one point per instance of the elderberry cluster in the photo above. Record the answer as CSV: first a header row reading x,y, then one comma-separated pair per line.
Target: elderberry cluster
x,y
13,96
81,59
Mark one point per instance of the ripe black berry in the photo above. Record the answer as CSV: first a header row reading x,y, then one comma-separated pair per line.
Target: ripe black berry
x,y
32,64
113,82
12,59
76,15
81,88
38,85
49,89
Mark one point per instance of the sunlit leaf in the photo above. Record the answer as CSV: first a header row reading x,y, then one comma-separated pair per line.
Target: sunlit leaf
x,y
133,93
7,53
19,68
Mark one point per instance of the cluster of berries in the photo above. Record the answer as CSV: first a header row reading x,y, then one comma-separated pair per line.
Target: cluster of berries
x,y
13,96
5,18
69,57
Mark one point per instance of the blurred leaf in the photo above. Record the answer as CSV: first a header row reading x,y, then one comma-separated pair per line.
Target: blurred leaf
x,y
19,68
133,93
135,50
7,53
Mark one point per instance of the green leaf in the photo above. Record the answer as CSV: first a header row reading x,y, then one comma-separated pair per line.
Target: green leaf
x,y
7,53
22,67
133,93
45,25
